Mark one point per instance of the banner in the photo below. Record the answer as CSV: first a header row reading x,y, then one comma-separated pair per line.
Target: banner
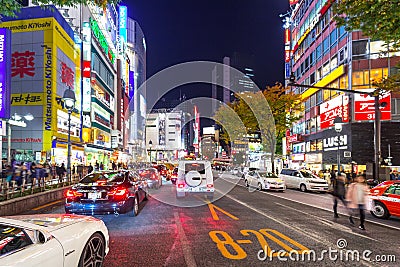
x,y
364,106
338,106
5,79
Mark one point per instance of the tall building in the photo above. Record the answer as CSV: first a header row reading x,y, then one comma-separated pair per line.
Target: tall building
x,y
45,61
100,54
136,52
232,82
163,129
320,53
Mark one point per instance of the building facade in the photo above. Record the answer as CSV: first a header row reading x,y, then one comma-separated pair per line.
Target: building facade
x,y
163,129
320,53
45,61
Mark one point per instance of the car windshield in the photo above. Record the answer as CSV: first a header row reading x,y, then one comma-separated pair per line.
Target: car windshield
x,y
108,178
307,174
267,175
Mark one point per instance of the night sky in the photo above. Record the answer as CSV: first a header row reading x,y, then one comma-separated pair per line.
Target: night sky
x,y
177,31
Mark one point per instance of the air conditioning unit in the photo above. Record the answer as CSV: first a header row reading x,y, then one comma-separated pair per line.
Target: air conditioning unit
x,y
347,154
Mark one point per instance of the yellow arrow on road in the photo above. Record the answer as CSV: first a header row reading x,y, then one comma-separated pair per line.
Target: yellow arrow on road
x,y
212,208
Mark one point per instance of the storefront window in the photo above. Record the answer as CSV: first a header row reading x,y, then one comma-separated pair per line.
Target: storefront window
x,y
358,78
319,145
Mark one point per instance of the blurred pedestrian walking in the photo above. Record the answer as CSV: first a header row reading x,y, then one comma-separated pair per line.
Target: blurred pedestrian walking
x,y
339,193
357,199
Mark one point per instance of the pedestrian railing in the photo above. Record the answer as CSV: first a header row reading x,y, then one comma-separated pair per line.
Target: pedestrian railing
x,y
10,190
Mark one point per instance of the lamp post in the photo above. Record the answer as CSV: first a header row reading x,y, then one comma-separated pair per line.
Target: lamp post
x,y
69,104
338,122
150,145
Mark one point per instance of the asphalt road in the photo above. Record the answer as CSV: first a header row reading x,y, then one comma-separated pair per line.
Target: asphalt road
x,y
240,226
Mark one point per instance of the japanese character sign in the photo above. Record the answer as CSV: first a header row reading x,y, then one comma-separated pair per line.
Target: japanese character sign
x,y
67,75
22,63
338,106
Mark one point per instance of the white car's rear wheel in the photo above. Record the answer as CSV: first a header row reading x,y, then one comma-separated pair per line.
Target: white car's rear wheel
x,y
93,253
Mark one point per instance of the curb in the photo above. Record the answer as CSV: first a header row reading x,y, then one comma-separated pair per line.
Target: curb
x,y
25,203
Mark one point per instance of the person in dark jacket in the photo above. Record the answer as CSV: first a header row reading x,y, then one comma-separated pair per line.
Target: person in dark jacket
x,y
339,192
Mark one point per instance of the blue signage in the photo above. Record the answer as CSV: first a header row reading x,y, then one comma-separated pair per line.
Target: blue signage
x,y
5,74
123,18
287,70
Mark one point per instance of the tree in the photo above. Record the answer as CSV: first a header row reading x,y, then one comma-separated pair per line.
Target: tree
x,y
10,8
269,113
378,19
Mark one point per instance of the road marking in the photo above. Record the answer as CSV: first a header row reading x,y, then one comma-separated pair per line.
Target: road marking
x,y
244,241
329,223
296,229
212,208
187,252
318,207
48,204
231,249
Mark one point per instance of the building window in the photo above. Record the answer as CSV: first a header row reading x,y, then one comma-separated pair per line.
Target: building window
x,y
360,49
325,45
395,106
333,37
319,97
312,78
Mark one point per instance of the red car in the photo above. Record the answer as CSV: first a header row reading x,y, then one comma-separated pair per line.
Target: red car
x,y
386,199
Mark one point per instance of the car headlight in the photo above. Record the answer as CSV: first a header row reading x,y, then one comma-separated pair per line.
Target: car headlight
x,y
308,181
266,181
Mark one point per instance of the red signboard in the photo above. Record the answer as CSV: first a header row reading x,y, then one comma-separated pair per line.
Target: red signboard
x,y
338,106
293,2
86,69
287,55
364,107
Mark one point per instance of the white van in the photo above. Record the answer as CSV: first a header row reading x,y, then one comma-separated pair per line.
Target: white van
x,y
303,180
195,177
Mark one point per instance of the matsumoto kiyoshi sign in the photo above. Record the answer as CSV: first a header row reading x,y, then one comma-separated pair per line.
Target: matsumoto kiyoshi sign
x,y
5,78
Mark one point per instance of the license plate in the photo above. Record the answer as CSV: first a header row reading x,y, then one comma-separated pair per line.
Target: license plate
x,y
94,195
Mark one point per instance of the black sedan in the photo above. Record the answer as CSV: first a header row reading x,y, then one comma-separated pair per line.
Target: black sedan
x,y
106,192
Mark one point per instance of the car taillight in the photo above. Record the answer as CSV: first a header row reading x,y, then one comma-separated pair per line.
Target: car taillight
x,y
118,192
181,185
70,193
153,176
210,185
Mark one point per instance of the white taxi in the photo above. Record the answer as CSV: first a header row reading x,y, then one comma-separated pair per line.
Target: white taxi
x,y
264,180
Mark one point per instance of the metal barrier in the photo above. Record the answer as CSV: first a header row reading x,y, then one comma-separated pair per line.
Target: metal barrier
x,y
9,190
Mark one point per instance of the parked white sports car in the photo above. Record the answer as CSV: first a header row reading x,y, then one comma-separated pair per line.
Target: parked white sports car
x,y
52,240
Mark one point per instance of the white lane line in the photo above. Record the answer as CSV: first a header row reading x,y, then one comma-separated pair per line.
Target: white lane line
x,y
187,252
318,207
329,223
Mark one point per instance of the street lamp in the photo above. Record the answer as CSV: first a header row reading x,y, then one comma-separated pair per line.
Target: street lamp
x,y
150,145
338,122
15,120
69,103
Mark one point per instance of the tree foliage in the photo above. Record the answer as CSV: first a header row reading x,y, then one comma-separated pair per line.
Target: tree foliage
x,y
269,112
378,19
10,8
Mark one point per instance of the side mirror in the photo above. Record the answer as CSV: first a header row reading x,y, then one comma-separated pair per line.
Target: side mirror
x,y
42,236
